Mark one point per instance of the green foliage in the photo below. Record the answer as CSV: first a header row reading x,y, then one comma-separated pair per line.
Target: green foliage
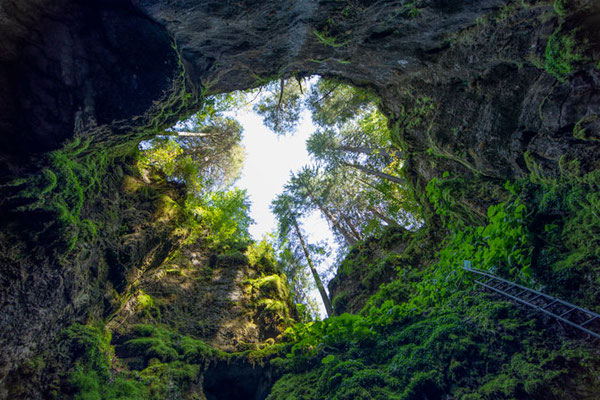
x,y
564,53
281,106
92,378
457,351
568,209
561,7
209,157
334,103
411,117
72,178
170,360
502,246
580,130
261,255
167,346
163,157
224,219
271,299
271,286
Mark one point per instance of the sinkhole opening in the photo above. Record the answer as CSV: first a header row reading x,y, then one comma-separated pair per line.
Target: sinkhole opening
x,y
310,166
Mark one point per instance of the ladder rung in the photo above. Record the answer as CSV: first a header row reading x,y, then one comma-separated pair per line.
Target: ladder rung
x,y
490,284
548,305
566,312
588,321
510,286
498,285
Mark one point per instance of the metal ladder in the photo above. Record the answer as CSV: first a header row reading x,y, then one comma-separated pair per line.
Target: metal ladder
x,y
580,318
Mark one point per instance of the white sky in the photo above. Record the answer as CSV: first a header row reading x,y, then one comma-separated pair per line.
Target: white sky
x,y
270,159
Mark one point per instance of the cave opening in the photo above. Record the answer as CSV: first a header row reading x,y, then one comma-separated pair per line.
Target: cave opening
x,y
234,381
134,275
311,152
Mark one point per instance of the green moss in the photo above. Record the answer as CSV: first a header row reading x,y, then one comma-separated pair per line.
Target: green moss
x,y
232,258
180,103
145,301
73,177
153,342
273,286
454,351
91,378
261,256
561,7
328,40
564,53
580,128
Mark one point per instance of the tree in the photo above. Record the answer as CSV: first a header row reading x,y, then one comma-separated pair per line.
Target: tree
x,y
289,228
205,155
281,106
326,143
224,217
205,151
362,143
299,277
311,191
333,103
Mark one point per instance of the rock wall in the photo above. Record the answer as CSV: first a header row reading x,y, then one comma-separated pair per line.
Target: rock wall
x,y
487,89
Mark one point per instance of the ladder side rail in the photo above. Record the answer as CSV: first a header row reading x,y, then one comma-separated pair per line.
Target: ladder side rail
x,y
596,335
548,297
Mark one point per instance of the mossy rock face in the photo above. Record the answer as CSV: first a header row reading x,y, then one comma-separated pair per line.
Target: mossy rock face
x,y
378,261
219,298
475,348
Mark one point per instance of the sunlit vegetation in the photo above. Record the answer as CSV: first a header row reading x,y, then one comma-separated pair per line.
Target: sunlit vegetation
x,y
426,333
205,156
355,181
404,320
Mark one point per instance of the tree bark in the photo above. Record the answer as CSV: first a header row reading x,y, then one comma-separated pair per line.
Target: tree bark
x,y
383,217
366,150
379,174
317,278
355,231
350,240
190,134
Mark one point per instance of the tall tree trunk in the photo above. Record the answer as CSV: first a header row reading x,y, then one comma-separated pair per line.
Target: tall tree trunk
x,y
191,134
383,217
355,231
379,174
369,151
315,274
385,195
351,240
